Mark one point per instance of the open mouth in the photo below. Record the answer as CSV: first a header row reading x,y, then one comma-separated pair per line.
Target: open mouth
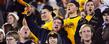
x,y
56,27
25,32
90,9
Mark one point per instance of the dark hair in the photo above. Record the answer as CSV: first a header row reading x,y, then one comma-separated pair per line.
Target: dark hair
x,y
54,35
8,27
89,1
50,8
13,34
87,25
59,19
105,11
76,3
85,6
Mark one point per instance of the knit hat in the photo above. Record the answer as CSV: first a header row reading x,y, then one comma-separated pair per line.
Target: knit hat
x,y
1,30
14,14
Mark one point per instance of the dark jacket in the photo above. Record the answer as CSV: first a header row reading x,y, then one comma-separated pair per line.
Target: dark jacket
x,y
43,33
106,33
27,42
83,43
4,42
96,22
1,18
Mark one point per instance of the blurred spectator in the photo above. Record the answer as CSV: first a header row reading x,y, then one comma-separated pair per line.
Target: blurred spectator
x,y
71,20
106,2
105,32
97,20
88,10
12,19
99,4
65,2
43,33
8,27
12,37
2,37
47,16
53,3
72,9
1,17
2,3
24,33
10,5
40,5
54,38
31,35
86,32
105,16
47,13
34,16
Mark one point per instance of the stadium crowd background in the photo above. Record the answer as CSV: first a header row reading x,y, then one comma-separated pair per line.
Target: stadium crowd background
x,y
54,21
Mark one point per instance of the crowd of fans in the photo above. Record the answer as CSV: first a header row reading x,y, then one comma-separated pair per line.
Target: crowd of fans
x,y
54,22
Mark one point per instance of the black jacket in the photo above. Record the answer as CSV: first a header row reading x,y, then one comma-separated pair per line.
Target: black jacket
x,y
105,35
43,33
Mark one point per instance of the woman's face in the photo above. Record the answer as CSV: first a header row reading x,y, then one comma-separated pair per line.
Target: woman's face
x,y
86,33
52,40
10,19
1,36
45,14
106,18
89,7
25,32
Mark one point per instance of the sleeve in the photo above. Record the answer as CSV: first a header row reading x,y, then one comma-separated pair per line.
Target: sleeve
x,y
35,29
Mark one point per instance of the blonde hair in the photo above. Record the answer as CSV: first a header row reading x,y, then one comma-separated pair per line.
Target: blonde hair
x,y
85,25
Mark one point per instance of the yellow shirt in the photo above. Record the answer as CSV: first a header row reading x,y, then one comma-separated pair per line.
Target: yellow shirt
x,y
34,38
70,26
88,17
81,3
48,25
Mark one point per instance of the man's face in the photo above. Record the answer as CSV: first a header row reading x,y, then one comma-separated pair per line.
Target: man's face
x,y
90,7
72,8
106,18
1,36
24,32
52,40
45,14
10,40
57,24
86,33
10,19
